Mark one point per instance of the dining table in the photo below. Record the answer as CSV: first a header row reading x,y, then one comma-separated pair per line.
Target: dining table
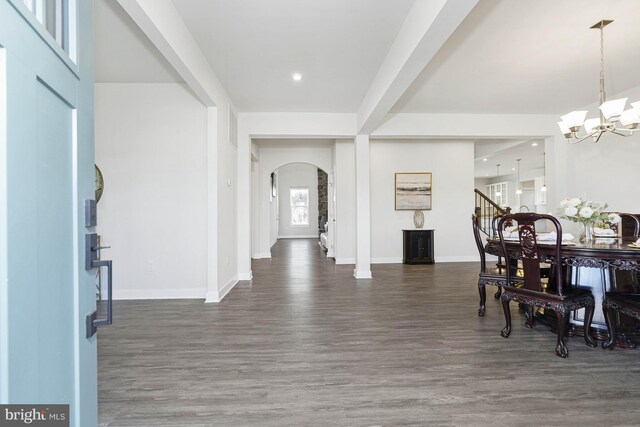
x,y
601,264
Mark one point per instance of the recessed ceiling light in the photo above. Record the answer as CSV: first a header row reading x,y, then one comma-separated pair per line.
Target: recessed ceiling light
x,y
534,144
484,160
513,169
296,76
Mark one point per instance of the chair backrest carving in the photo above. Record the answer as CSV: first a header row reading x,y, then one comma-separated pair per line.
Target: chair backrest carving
x,y
529,248
475,219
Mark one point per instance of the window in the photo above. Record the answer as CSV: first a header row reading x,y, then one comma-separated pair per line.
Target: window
x,y
299,202
54,17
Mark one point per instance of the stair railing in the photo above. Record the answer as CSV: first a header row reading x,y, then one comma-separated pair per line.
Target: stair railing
x,y
487,210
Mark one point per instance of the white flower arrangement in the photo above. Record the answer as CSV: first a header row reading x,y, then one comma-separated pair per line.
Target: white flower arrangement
x,y
577,210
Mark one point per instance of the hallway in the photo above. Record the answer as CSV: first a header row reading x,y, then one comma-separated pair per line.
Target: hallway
x,y
306,344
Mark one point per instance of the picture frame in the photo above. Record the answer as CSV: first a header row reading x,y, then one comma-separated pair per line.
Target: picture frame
x,y
413,191
274,185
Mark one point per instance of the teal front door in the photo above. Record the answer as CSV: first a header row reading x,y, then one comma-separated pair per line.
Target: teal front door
x,y
46,173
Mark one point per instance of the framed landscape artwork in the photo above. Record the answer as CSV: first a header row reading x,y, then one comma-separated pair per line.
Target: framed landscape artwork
x,y
413,191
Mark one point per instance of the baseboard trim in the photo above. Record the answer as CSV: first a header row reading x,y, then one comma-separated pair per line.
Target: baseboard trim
x,y
301,236
262,255
391,260
362,274
226,288
218,296
458,259
211,297
133,294
351,261
245,276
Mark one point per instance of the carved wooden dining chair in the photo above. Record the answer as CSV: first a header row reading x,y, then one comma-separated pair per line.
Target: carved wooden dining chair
x,y
629,226
562,300
494,276
616,303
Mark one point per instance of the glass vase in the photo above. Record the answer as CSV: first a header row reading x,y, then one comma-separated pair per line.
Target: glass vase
x,y
587,232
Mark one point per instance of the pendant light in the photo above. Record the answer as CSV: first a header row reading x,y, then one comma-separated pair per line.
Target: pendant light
x,y
613,117
519,190
498,193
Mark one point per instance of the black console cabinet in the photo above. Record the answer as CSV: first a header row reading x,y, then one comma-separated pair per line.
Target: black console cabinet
x,y
418,246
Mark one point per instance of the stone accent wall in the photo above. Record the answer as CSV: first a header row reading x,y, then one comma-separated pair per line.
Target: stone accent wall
x,y
323,195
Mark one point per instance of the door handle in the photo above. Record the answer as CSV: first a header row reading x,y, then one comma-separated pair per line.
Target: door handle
x,y
91,262
92,319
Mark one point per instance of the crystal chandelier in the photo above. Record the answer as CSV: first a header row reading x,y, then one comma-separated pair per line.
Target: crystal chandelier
x,y
613,117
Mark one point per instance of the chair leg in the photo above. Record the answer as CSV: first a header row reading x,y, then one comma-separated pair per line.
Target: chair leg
x,y
483,298
529,317
610,318
506,331
561,348
498,293
588,317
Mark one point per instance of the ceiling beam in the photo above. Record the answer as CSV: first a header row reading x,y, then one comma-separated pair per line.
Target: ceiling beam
x,y
162,24
425,30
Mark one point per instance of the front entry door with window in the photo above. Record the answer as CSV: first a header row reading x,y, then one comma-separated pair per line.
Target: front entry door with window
x,y
46,173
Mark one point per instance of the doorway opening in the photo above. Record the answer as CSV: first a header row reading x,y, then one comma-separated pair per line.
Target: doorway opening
x,y
299,205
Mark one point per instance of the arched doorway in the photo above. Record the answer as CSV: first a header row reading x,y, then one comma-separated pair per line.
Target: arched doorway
x,y
270,209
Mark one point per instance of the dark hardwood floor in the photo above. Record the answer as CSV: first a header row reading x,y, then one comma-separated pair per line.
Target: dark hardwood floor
x,y
306,344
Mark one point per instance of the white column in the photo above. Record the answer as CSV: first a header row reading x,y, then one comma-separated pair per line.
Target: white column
x,y
363,209
244,205
255,209
212,205
265,210
331,212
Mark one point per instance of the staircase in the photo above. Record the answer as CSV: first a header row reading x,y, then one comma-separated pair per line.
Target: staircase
x,y
486,210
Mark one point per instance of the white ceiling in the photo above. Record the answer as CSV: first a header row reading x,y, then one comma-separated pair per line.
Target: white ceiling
x,y
254,46
525,56
508,56
506,152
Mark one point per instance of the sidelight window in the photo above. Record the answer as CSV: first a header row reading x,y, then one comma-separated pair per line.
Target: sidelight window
x,y
54,17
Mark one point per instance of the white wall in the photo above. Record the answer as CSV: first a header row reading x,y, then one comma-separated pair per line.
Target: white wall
x,y
345,205
452,166
226,191
152,149
297,175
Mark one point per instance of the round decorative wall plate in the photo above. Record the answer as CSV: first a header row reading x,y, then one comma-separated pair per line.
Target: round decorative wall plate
x,y
99,183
